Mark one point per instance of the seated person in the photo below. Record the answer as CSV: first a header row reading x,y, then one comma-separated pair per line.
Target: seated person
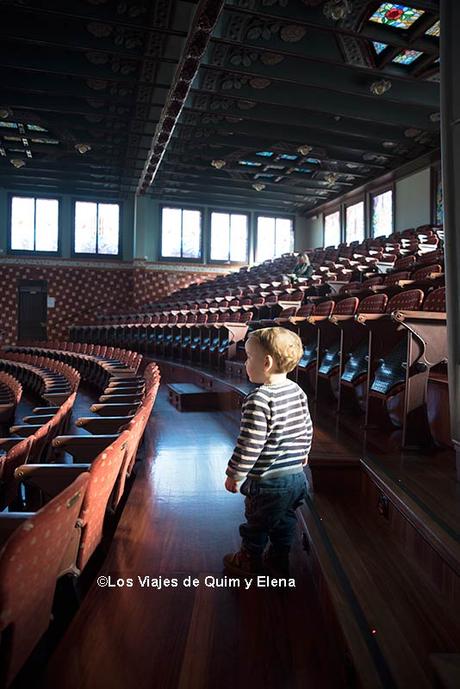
x,y
302,269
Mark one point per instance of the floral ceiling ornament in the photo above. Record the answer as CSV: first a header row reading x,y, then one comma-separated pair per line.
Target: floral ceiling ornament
x,y
379,88
99,30
292,33
97,84
337,9
435,117
271,59
218,164
305,149
97,58
244,58
331,178
5,112
411,133
259,83
82,148
17,162
258,186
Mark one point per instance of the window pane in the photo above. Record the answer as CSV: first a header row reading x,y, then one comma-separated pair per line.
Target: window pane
x,y
239,238
355,222
220,223
85,227
171,232
191,234
265,238
46,224
332,229
284,236
109,228
22,224
382,214
439,202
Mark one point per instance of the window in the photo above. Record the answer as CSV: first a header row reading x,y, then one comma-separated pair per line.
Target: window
x,y
97,228
355,222
332,229
229,237
439,199
382,214
34,224
275,236
180,233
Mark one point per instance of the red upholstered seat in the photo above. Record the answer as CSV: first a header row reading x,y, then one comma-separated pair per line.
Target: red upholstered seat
x,y
376,303
17,455
30,563
423,273
408,301
436,300
103,475
346,307
325,308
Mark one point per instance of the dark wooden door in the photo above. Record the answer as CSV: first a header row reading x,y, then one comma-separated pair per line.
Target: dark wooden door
x,y
32,299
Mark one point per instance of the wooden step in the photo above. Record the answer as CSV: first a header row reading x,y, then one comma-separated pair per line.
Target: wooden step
x,y
191,397
390,617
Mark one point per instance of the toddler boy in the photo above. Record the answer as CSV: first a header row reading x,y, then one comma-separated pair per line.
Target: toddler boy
x,y
270,454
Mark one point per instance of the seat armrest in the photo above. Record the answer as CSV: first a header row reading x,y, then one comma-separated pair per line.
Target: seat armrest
x,y
38,418
26,430
52,479
7,443
107,409
83,448
98,425
10,521
45,410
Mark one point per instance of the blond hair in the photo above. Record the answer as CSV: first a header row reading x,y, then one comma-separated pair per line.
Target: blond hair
x,y
283,345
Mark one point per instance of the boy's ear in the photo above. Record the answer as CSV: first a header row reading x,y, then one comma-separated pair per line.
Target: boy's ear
x,y
268,363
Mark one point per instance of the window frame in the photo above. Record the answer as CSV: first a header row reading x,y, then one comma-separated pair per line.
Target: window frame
x,y
248,227
354,202
180,259
379,192
33,252
97,256
276,216
338,209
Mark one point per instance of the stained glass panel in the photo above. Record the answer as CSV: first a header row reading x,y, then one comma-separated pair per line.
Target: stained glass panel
x,y
332,229
288,156
434,30
264,154
355,222
382,214
379,47
396,15
249,163
407,57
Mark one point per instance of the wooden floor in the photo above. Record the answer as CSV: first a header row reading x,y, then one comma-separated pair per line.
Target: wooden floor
x,y
179,521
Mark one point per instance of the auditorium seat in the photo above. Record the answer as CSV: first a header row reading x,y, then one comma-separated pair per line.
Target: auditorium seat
x,y
33,546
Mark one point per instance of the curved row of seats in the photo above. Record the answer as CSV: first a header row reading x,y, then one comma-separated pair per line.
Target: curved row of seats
x,y
75,502
52,381
10,396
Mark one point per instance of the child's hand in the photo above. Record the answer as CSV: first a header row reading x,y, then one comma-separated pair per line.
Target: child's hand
x,y
231,485
305,462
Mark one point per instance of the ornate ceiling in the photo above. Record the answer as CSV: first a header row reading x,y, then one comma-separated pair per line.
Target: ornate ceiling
x,y
273,104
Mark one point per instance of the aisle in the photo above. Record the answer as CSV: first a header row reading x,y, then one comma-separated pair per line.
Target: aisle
x,y
178,522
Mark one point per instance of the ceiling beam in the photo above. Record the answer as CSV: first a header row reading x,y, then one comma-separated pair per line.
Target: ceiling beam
x,y
320,100
292,54
104,19
375,32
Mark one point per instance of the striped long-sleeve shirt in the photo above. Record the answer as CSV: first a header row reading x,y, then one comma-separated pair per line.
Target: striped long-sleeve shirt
x,y
275,435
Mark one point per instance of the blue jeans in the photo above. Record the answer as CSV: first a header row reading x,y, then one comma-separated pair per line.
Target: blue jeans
x,y
270,511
